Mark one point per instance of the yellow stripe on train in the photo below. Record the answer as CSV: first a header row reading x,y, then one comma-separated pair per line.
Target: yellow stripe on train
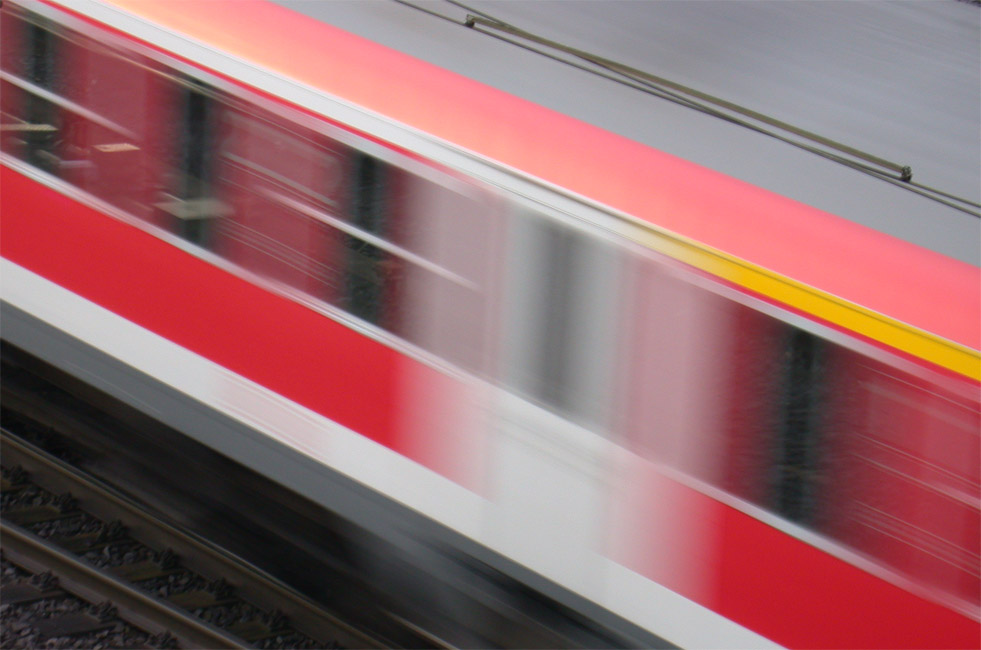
x,y
896,334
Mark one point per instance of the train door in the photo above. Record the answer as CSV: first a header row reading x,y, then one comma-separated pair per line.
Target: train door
x,y
446,234
549,483
670,420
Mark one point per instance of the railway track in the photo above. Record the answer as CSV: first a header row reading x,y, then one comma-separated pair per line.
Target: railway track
x,y
38,612
84,566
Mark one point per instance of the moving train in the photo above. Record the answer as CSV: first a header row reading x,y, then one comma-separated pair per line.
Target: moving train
x,y
663,395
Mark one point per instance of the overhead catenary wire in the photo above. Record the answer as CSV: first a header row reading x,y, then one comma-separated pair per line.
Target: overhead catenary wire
x,y
633,73
896,174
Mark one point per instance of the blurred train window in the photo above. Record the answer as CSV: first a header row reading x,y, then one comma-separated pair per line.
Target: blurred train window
x,y
721,392
878,459
549,372
447,236
190,204
774,418
372,274
799,406
416,259
32,58
278,183
561,337
39,111
126,95
903,481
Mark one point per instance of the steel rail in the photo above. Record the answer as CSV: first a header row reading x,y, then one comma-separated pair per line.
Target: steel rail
x,y
94,585
195,553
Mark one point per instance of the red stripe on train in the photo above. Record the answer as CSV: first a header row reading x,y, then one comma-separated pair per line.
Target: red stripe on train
x,y
764,579
803,597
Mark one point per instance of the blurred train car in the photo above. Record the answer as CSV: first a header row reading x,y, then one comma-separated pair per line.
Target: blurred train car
x,y
720,415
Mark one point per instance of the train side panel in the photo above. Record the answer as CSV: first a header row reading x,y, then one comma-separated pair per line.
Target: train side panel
x,y
611,416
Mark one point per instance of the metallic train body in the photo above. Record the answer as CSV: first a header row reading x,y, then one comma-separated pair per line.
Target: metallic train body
x,y
643,381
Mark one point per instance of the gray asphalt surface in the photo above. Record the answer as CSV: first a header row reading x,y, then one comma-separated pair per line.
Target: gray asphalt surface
x,y
900,80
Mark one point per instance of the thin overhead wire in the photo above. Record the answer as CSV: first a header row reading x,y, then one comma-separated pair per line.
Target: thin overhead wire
x,y
890,172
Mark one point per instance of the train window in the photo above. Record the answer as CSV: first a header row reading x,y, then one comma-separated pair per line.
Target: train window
x,y
773,417
39,111
798,437
549,373
190,205
902,472
561,318
372,274
723,392
447,239
415,259
31,77
854,449
125,101
278,184
197,140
